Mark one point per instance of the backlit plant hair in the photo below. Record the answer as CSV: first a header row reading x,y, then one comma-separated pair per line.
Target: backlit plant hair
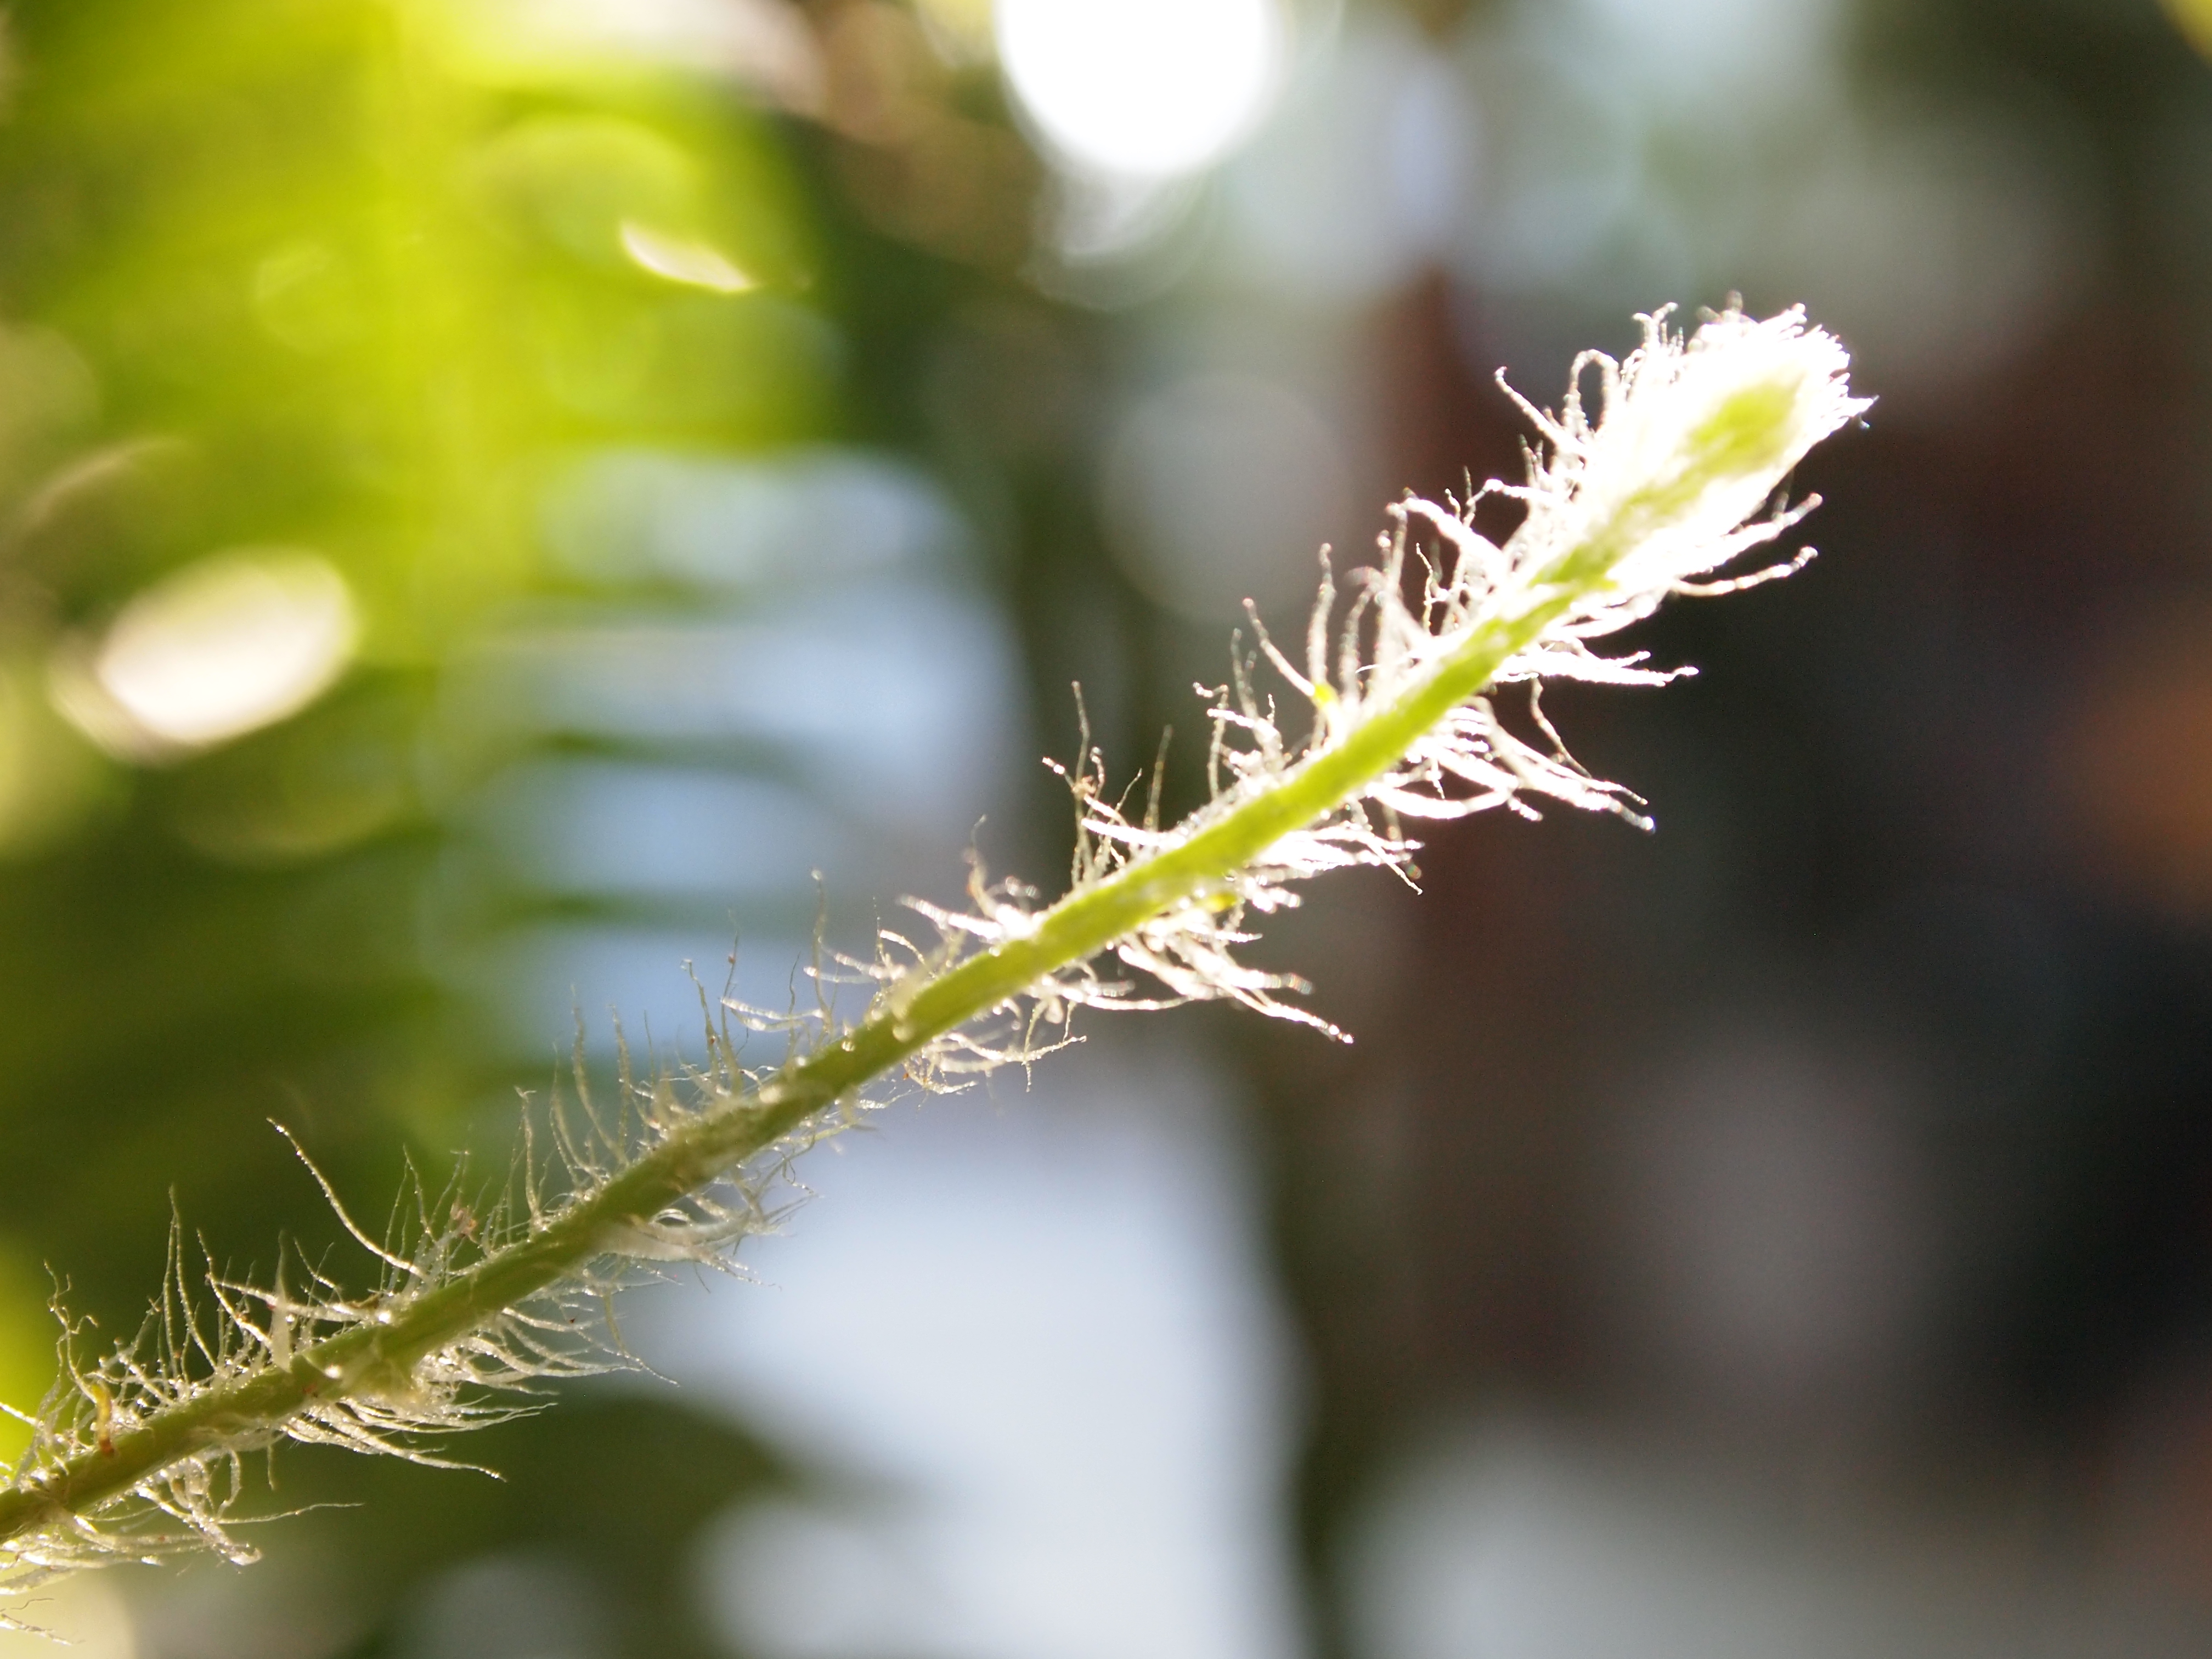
x,y
1659,488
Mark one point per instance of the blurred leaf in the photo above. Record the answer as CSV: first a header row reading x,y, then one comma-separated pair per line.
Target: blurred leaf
x,y
2194,17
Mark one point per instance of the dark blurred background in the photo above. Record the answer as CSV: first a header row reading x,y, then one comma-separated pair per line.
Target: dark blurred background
x,y
495,494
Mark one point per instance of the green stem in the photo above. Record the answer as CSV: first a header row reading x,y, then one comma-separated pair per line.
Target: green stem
x,y
370,1356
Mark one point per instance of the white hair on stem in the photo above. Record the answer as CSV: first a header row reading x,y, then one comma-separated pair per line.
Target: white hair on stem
x,y
1690,442
485,1295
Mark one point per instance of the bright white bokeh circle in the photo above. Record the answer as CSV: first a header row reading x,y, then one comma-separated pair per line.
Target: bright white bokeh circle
x,y
231,644
1145,88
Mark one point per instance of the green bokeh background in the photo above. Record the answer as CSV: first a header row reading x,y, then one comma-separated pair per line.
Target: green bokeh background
x,y
346,275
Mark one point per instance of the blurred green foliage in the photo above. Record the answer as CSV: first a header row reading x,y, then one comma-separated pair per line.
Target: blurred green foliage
x,y
355,276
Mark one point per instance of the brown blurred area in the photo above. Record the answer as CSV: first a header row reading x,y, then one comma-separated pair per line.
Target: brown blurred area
x,y
1849,1136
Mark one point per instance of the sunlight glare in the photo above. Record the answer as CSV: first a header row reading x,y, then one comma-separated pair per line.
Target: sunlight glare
x,y
1145,88
679,260
227,646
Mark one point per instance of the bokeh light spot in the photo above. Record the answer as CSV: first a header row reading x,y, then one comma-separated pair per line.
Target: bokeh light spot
x,y
231,644
1222,488
695,265
1149,88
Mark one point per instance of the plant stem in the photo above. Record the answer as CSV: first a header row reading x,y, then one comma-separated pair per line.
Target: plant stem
x,y
368,1357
